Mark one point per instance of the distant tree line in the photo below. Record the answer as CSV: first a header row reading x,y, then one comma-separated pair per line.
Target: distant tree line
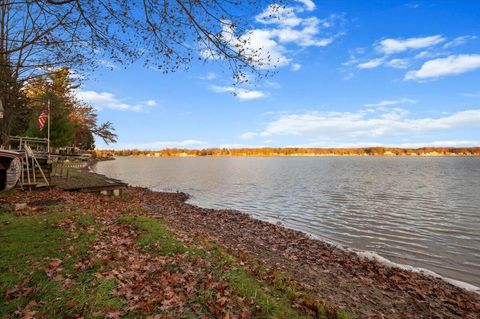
x,y
296,151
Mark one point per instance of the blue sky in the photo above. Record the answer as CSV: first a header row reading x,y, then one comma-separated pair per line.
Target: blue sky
x,y
349,73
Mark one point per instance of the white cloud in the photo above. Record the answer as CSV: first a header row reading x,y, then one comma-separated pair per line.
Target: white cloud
x,y
459,41
248,135
375,63
307,33
240,93
398,63
333,144
423,55
351,125
75,75
471,94
451,65
371,64
309,4
296,66
107,63
348,75
101,100
452,143
391,102
283,26
391,46
272,84
279,14
428,46
429,54
244,94
412,5
263,45
152,103
237,145
269,44
158,145
209,76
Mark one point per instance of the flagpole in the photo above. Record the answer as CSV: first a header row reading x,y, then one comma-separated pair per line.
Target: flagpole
x,y
48,132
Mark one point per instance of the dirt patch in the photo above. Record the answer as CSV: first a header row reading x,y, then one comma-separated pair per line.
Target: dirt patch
x,y
46,202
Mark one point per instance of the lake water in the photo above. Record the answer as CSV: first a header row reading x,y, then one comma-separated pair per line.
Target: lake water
x,y
420,211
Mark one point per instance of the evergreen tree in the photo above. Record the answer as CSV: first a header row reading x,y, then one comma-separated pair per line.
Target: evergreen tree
x,y
73,123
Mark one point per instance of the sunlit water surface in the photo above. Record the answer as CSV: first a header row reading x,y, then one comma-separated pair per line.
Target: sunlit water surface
x,y
420,211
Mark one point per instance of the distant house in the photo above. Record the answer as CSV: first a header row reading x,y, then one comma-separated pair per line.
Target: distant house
x,y
433,153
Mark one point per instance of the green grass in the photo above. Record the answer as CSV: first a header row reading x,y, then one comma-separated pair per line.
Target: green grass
x,y
274,300
28,244
281,283
272,303
154,236
25,240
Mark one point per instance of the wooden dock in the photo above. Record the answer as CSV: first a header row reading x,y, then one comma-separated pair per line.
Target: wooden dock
x,y
81,180
67,171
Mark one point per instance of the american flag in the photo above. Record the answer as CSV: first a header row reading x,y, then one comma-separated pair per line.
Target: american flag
x,y
42,118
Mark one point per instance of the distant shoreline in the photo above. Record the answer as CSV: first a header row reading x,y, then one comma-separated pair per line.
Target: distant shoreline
x,y
295,152
296,155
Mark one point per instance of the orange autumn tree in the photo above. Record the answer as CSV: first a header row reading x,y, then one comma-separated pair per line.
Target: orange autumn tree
x,y
73,122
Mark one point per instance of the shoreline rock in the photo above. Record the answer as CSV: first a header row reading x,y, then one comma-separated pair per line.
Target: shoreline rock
x,y
365,286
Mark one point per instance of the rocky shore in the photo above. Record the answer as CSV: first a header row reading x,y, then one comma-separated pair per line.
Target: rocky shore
x,y
335,277
366,287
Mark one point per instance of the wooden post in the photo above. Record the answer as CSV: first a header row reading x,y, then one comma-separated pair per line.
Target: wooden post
x,y
28,166
48,132
33,170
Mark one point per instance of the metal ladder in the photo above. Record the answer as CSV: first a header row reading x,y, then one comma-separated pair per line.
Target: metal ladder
x,y
29,165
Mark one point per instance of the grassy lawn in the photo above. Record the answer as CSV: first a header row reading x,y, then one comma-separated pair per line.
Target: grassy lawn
x,y
48,269
275,299
37,266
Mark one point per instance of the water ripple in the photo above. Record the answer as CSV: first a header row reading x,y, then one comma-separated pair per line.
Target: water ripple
x,y
424,212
